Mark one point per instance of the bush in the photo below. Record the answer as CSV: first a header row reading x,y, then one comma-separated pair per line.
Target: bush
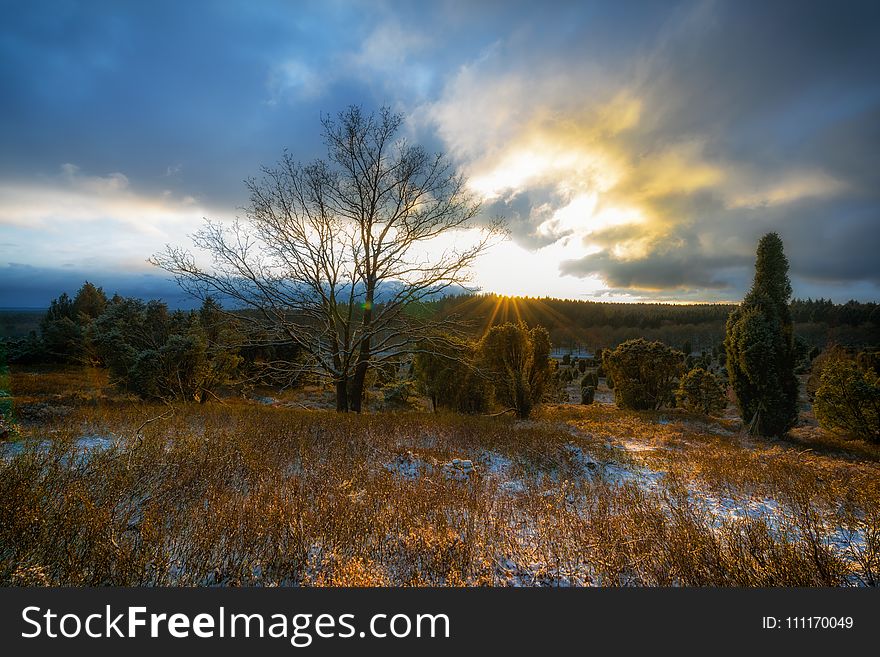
x,y
701,391
644,374
446,371
590,379
162,355
848,398
397,394
588,393
518,361
869,360
830,354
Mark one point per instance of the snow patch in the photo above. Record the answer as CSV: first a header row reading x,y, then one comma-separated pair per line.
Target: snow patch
x,y
408,466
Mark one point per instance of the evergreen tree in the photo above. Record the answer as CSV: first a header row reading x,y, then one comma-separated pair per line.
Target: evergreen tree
x,y
517,359
760,346
848,397
643,374
89,302
62,335
700,391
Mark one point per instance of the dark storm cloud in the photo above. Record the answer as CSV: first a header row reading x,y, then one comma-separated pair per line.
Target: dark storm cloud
x,y
770,87
26,286
150,89
752,117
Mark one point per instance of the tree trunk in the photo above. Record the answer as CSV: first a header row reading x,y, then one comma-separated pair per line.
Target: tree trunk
x,y
342,395
360,375
363,363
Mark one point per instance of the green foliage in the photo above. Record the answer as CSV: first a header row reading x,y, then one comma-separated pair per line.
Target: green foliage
x,y
398,394
848,398
590,379
62,336
446,371
869,360
26,350
517,359
701,391
89,302
162,355
64,328
760,346
644,374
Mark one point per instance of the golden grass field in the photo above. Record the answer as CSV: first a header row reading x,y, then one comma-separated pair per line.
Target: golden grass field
x,y
240,493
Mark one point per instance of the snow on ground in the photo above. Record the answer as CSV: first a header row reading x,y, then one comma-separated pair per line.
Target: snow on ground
x,y
83,445
725,508
536,573
633,446
501,468
408,466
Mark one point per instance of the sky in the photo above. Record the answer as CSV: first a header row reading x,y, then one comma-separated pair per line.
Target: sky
x,y
637,150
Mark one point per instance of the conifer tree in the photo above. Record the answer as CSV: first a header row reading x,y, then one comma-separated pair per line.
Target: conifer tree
x,y
760,346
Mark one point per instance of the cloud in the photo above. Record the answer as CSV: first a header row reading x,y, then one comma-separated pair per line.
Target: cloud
x,y
295,80
81,221
643,147
662,168
75,200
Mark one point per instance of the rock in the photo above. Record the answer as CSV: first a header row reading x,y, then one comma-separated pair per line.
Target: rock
x,y
459,469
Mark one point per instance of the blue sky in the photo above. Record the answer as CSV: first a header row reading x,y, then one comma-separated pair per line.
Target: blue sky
x,y
637,150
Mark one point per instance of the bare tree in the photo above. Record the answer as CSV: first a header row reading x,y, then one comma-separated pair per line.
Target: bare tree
x,y
332,254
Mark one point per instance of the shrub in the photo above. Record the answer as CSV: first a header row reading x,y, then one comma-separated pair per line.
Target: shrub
x,y
701,391
644,374
518,361
162,355
831,353
869,360
397,394
588,393
62,335
848,398
590,379
446,371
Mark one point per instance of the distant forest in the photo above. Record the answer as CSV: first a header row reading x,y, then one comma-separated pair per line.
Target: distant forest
x,y
592,325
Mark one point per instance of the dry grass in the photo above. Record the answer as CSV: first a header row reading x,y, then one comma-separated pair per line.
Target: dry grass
x,y
244,494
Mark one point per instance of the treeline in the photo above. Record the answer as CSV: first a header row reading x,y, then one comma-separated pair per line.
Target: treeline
x,y
148,349
553,313
597,324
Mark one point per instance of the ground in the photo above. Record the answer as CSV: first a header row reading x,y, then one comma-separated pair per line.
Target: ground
x,y
99,488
